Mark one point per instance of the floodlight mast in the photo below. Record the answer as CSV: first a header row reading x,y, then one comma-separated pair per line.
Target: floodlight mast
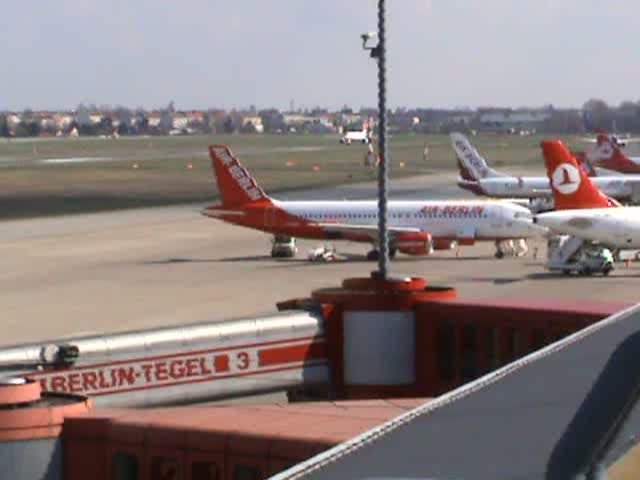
x,y
378,52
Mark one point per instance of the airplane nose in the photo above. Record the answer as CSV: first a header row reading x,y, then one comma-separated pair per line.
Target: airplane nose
x,y
532,229
539,230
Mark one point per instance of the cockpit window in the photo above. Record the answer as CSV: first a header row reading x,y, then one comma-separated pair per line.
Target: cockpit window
x,y
523,215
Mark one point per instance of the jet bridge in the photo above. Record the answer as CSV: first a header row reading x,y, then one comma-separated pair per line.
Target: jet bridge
x,y
185,364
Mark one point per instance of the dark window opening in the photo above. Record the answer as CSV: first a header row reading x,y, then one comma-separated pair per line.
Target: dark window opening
x,y
446,351
166,468
125,467
509,352
244,472
468,368
513,345
492,348
204,470
518,344
538,340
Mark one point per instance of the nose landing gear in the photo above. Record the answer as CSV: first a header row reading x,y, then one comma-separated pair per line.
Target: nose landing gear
x,y
516,248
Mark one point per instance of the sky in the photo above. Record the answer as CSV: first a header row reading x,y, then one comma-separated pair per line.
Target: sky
x,y
233,54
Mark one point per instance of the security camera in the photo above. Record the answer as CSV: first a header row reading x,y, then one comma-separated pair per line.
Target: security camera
x,y
369,36
367,40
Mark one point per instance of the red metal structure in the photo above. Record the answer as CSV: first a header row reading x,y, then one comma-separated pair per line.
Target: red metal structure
x,y
389,345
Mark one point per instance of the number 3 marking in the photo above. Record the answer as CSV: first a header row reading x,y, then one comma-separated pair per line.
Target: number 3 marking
x,y
242,360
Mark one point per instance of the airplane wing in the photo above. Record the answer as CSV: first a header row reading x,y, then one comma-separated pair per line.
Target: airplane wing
x,y
358,231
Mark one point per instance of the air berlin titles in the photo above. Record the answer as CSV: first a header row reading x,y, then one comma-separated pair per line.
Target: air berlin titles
x,y
120,377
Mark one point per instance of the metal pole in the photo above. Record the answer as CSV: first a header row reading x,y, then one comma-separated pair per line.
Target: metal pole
x,y
383,167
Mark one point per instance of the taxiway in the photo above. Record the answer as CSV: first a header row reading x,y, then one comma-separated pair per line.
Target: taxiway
x,y
161,266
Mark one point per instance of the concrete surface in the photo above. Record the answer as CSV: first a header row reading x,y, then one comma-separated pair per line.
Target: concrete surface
x,y
162,266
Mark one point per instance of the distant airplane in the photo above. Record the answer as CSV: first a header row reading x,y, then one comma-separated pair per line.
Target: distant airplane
x,y
582,209
478,177
415,227
608,153
620,140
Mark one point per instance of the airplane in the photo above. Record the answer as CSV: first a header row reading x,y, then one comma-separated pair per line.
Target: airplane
x,y
583,210
601,136
415,227
608,154
477,177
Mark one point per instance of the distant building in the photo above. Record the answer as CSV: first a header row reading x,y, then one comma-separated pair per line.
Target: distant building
x,y
255,120
180,121
513,120
13,120
154,119
296,119
166,120
82,116
63,120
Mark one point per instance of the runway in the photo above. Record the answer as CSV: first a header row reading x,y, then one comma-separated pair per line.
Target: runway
x,y
162,266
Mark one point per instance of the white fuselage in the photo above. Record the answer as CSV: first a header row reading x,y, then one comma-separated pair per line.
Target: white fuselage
x,y
615,227
457,219
620,187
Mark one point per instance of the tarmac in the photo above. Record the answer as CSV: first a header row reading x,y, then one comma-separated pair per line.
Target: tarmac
x,y
117,271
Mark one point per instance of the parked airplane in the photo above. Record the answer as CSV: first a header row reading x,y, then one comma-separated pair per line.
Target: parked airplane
x,y
621,140
582,209
415,227
608,153
478,177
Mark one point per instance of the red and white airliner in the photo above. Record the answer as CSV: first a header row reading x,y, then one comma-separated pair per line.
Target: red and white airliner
x,y
478,177
608,154
582,209
415,227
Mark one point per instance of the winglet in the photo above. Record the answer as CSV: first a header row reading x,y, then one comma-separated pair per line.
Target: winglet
x,y
237,186
572,187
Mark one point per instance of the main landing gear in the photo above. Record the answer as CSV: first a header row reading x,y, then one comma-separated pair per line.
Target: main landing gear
x,y
373,255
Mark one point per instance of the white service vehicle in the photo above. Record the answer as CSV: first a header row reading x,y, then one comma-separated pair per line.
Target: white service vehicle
x,y
322,254
283,246
569,254
356,136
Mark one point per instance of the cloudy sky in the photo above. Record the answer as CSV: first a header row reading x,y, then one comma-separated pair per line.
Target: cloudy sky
x,y
222,53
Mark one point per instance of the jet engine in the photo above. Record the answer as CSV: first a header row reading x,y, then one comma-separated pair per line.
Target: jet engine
x,y
414,244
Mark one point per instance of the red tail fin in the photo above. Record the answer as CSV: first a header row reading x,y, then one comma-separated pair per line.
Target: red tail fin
x,y
237,186
611,157
572,188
